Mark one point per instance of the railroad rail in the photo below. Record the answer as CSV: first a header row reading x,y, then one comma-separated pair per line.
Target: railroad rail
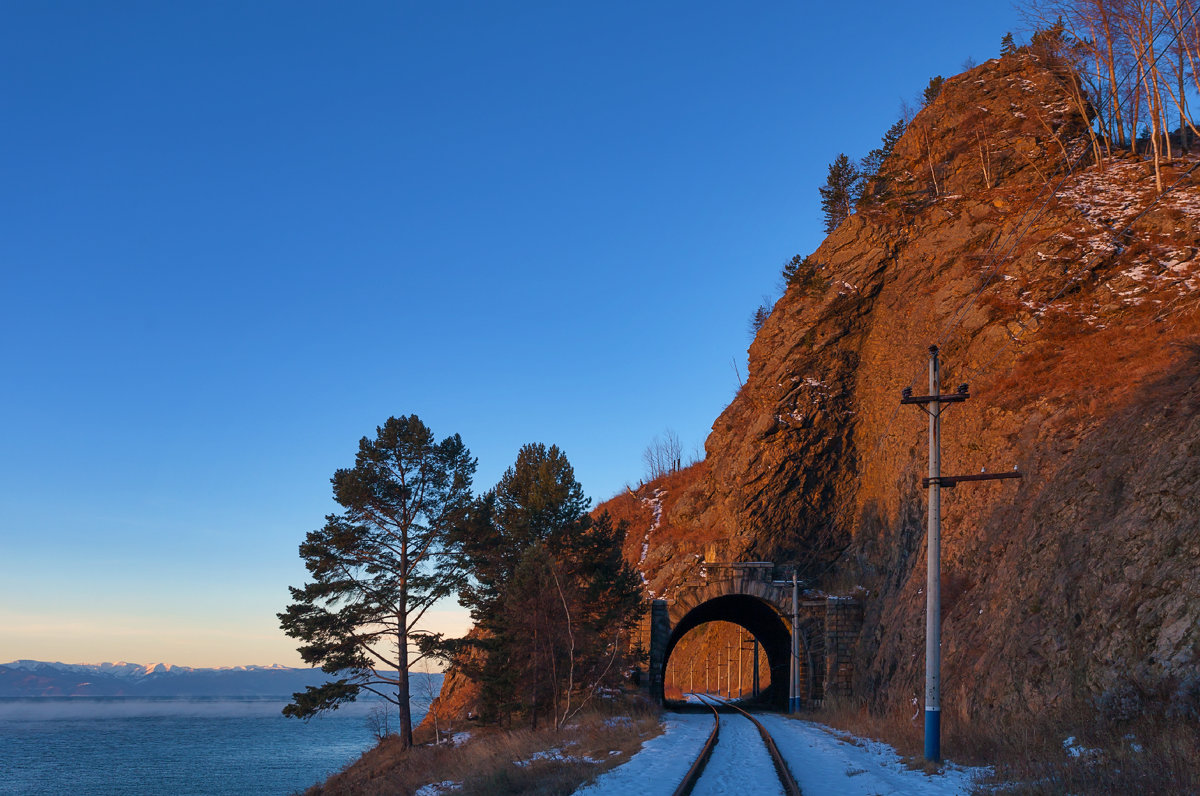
x,y
694,773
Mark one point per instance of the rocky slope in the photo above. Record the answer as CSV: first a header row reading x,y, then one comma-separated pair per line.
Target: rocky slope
x,y
1065,293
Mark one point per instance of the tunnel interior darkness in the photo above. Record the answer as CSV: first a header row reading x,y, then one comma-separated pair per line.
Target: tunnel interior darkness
x,y
761,620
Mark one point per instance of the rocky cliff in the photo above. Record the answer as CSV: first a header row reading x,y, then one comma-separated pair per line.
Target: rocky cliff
x,y
1064,291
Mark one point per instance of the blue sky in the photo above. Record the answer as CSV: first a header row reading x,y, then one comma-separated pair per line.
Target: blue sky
x,y
237,237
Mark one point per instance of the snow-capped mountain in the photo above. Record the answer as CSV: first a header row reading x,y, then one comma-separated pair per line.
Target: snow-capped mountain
x,y
25,678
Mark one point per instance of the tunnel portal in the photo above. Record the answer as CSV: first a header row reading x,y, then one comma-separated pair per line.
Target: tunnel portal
x,y
746,594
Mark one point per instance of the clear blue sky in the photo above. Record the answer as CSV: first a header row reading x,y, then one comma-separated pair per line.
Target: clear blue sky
x,y
238,236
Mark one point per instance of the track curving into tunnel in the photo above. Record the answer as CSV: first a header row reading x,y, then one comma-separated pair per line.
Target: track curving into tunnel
x,y
739,757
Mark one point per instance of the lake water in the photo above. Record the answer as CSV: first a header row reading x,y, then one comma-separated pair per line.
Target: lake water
x,y
173,746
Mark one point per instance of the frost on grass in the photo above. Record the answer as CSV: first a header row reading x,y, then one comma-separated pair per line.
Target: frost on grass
x,y
555,755
1077,750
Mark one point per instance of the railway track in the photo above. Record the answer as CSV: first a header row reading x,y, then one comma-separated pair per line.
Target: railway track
x,y
697,771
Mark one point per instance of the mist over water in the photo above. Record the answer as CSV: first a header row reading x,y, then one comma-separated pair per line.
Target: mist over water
x,y
174,746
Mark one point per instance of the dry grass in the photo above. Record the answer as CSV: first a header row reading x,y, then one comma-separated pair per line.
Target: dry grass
x,y
1148,755
552,762
629,506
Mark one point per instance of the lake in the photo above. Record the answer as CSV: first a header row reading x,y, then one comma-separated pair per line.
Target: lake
x,y
116,745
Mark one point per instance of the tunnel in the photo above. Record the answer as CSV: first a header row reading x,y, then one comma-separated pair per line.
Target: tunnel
x,y
761,621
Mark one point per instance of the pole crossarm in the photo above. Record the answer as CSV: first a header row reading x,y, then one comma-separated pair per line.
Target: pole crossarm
x,y
933,578
951,481
950,398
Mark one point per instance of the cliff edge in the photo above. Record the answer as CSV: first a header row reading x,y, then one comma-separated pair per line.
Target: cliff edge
x,y
1065,293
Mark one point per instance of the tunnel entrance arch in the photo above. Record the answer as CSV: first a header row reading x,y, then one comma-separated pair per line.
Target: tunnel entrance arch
x,y
746,594
760,620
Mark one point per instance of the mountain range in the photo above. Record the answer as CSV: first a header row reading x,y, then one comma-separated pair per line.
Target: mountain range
x,y
28,678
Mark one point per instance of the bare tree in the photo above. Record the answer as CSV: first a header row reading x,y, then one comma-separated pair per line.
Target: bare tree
x,y
1139,25
378,721
1130,60
663,456
985,157
428,694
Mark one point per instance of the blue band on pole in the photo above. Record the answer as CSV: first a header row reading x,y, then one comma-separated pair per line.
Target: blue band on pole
x,y
933,735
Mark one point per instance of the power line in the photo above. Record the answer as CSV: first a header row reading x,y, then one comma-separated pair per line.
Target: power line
x,y
1116,235
992,267
1145,51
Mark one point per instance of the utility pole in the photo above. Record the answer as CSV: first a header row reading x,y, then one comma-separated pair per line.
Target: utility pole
x,y
706,660
933,582
741,648
794,685
692,675
729,669
747,645
754,682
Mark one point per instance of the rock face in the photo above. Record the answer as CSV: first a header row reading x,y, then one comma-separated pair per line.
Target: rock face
x,y
1065,293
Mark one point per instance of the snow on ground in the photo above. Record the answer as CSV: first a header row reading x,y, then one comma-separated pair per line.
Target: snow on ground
x,y
662,762
740,763
655,503
1110,197
557,755
827,762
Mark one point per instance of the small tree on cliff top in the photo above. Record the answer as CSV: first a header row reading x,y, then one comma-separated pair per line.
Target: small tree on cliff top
x,y
837,194
378,566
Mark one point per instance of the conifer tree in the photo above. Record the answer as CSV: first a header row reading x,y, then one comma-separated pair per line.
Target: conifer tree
x,y
870,183
932,90
549,590
758,319
837,195
1007,45
378,566
792,270
804,273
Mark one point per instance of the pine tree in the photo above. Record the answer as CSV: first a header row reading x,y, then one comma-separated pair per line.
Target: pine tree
x,y
803,273
932,90
377,566
792,270
759,319
873,162
1007,45
870,183
837,195
549,590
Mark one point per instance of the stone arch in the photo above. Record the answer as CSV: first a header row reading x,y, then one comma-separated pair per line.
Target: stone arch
x,y
690,599
759,618
745,594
